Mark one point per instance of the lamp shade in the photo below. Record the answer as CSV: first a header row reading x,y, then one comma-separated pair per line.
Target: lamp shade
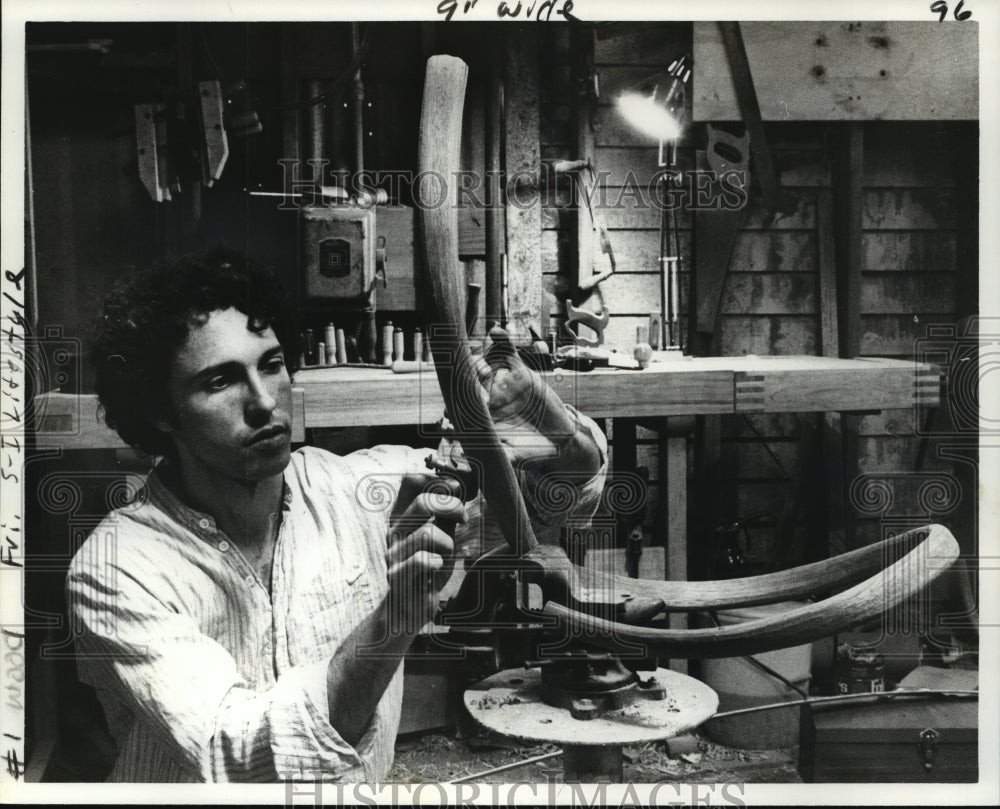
x,y
649,115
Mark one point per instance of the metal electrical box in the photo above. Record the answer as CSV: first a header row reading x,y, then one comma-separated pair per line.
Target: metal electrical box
x,y
339,248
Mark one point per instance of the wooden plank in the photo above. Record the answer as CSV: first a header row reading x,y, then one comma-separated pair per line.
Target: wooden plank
x,y
908,208
757,293
898,335
923,136
647,456
910,250
801,167
496,228
555,125
802,218
762,335
522,157
290,53
901,292
831,504
556,83
587,250
396,224
847,234
706,391
769,425
826,261
843,71
652,43
762,251
885,454
342,396
891,423
673,484
471,213
870,384
901,165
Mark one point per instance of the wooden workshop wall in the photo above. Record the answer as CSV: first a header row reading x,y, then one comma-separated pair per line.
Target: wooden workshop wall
x,y
771,298
919,279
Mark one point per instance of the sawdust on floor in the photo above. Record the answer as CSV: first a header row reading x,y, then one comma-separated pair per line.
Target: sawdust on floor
x,y
445,756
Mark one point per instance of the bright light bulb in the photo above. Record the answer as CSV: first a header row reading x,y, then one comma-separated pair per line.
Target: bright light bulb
x,y
649,116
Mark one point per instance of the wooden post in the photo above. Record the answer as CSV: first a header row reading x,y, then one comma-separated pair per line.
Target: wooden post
x,y
849,207
673,497
289,93
523,166
831,510
848,201
495,219
623,456
582,50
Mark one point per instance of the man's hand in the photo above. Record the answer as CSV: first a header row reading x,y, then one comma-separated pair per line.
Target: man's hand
x,y
421,548
420,559
534,425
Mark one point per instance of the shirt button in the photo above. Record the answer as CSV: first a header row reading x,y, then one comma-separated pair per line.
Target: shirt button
x,y
204,524
224,546
250,581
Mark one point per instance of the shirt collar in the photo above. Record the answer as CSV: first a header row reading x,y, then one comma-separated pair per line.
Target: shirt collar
x,y
198,522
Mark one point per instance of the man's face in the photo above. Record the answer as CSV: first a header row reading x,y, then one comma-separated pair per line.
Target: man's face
x,y
230,397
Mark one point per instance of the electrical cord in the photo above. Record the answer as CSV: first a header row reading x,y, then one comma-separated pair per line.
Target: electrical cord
x,y
764,667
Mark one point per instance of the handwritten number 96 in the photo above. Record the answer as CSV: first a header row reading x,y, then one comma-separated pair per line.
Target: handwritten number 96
x,y
942,8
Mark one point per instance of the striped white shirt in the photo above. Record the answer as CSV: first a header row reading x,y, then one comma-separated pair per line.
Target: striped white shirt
x,y
202,674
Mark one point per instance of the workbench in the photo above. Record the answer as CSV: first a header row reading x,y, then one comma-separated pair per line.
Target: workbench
x,y
347,396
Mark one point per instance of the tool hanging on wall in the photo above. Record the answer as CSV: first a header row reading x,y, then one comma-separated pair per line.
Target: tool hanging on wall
x,y
172,153
584,185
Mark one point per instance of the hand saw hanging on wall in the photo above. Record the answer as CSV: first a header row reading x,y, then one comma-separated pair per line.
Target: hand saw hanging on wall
x,y
585,185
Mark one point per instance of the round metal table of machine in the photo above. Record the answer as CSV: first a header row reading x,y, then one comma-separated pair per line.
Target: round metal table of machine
x,y
511,702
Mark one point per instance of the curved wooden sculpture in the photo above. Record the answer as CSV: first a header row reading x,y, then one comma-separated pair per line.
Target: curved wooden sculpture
x,y
865,583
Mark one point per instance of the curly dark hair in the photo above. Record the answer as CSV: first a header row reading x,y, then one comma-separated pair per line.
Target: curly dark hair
x,y
146,319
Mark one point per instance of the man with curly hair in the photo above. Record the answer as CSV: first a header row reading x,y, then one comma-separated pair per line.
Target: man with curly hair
x,y
245,617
